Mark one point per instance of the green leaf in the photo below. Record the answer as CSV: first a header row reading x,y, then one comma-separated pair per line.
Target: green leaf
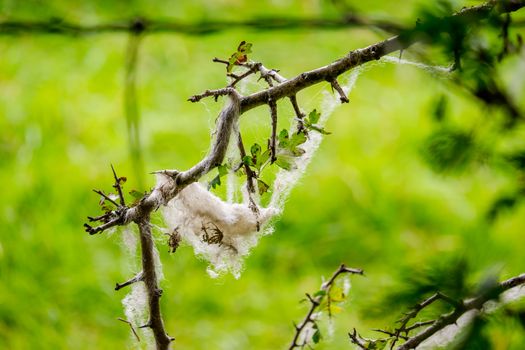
x,y
337,295
283,138
239,56
256,150
247,160
449,150
378,344
107,208
319,293
263,187
334,309
263,159
297,139
285,162
245,47
136,194
297,152
223,169
317,336
215,182
313,116
231,62
318,129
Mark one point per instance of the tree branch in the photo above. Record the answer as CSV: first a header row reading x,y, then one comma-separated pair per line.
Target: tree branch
x,y
137,278
162,339
444,320
471,304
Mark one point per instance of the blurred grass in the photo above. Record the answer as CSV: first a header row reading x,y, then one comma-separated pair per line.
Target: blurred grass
x,y
368,199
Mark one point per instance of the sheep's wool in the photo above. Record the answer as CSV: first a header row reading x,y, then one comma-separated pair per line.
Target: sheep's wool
x,y
223,232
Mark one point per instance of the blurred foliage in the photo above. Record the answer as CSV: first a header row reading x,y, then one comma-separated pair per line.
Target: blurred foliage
x,y
369,199
447,149
447,275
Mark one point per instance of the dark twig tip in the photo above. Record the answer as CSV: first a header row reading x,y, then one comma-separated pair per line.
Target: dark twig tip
x,y
147,325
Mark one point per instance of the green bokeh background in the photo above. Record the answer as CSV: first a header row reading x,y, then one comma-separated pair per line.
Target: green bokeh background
x,y
367,199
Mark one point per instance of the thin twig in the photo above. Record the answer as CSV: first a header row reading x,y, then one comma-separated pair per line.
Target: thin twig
x,y
212,93
342,95
94,230
391,334
130,326
356,339
137,278
300,115
59,26
415,311
249,172
419,325
237,79
118,187
106,197
103,217
316,301
273,139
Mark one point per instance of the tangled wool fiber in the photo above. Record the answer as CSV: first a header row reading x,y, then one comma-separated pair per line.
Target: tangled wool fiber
x,y
223,232
219,231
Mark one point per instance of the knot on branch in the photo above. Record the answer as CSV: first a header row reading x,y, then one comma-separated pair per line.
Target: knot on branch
x,y
138,25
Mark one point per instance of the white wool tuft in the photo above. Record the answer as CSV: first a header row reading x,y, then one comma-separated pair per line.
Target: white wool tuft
x,y
425,67
346,285
231,227
136,310
129,238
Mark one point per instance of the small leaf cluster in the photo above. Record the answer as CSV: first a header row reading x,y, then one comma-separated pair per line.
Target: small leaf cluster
x,y
329,301
288,148
216,181
240,56
311,121
256,161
